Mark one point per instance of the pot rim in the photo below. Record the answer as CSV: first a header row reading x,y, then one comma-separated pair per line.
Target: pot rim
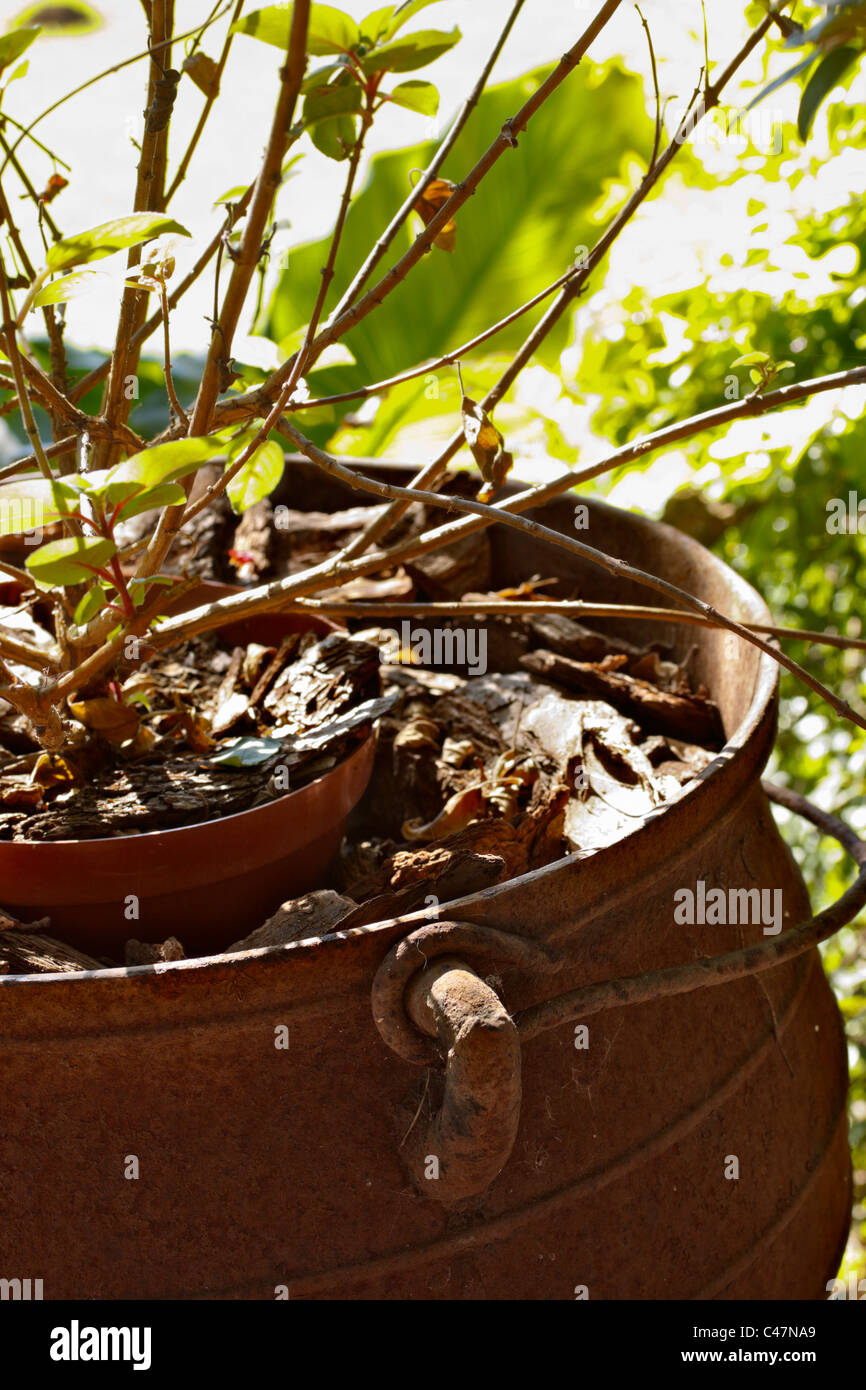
x,y
759,718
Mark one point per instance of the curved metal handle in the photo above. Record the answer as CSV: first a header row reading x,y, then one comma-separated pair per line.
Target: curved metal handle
x,y
719,970
429,1004
466,1142
424,1010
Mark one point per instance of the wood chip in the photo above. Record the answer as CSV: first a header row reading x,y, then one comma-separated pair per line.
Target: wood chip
x,y
26,953
314,914
152,952
694,718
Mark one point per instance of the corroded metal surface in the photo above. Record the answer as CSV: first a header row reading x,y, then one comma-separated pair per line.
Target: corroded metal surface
x,y
266,1114
467,1140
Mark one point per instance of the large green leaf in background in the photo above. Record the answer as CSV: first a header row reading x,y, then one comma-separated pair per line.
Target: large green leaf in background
x,y
519,232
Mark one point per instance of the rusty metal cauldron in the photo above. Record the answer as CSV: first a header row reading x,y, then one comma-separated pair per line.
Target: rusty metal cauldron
x,y
455,1143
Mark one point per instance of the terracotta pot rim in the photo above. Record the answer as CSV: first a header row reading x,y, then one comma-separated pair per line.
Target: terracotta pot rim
x,y
757,728
145,837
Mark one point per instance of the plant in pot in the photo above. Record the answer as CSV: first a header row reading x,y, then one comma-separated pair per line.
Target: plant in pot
x,y
133,695
80,677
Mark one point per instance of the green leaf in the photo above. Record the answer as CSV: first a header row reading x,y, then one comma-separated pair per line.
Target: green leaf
x,y
826,76
375,24
109,237
13,44
783,366
27,504
335,138
752,359
416,96
67,287
319,77
404,13
411,52
161,464
232,195
330,31
149,499
71,560
325,103
247,752
93,602
258,477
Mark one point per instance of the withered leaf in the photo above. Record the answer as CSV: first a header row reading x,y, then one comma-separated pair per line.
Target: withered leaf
x,y
114,721
204,73
428,203
51,771
486,444
458,812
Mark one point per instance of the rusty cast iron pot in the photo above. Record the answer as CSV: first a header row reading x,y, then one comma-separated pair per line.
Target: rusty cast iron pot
x,y
219,878
284,1146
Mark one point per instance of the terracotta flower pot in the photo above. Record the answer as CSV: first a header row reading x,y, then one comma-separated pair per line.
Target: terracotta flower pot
x,y
206,883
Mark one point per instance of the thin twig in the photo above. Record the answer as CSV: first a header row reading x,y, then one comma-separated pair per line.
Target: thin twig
x,y
658,135
267,184
506,139
430,172
108,72
361,609
447,360
337,569
209,101
431,474
11,338
173,401
99,373
327,275
149,197
620,569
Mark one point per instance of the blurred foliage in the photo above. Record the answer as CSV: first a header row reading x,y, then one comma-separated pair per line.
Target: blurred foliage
x,y
513,239
762,494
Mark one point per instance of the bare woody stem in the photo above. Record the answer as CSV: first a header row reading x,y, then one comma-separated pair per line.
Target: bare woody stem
x,y
505,140
448,359
620,569
327,276
429,476
430,172
11,336
98,77
13,649
243,269
337,569
655,76
267,183
149,197
364,609
220,486
53,327
213,615
141,334
185,162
